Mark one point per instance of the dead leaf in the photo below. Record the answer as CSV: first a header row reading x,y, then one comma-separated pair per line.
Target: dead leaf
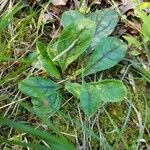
x,y
127,5
47,17
55,10
77,3
59,2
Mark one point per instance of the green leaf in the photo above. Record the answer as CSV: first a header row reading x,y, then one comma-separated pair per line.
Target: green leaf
x,y
46,61
146,28
106,55
44,93
73,88
47,106
106,21
132,41
111,90
136,45
70,17
145,18
38,87
93,94
90,99
74,41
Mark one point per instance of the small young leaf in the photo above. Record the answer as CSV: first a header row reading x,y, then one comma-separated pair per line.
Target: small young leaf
x,y
38,87
74,41
106,55
132,41
111,90
47,106
70,17
89,99
106,21
47,62
73,88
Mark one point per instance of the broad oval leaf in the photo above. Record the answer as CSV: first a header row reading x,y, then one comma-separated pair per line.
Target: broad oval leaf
x,y
74,41
90,99
47,63
111,90
46,106
114,89
106,55
44,93
38,87
70,17
106,21
73,88
93,94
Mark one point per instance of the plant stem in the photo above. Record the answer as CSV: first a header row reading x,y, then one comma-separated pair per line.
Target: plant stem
x,y
66,50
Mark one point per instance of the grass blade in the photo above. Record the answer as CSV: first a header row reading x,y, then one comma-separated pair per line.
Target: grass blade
x,y
58,143
47,62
